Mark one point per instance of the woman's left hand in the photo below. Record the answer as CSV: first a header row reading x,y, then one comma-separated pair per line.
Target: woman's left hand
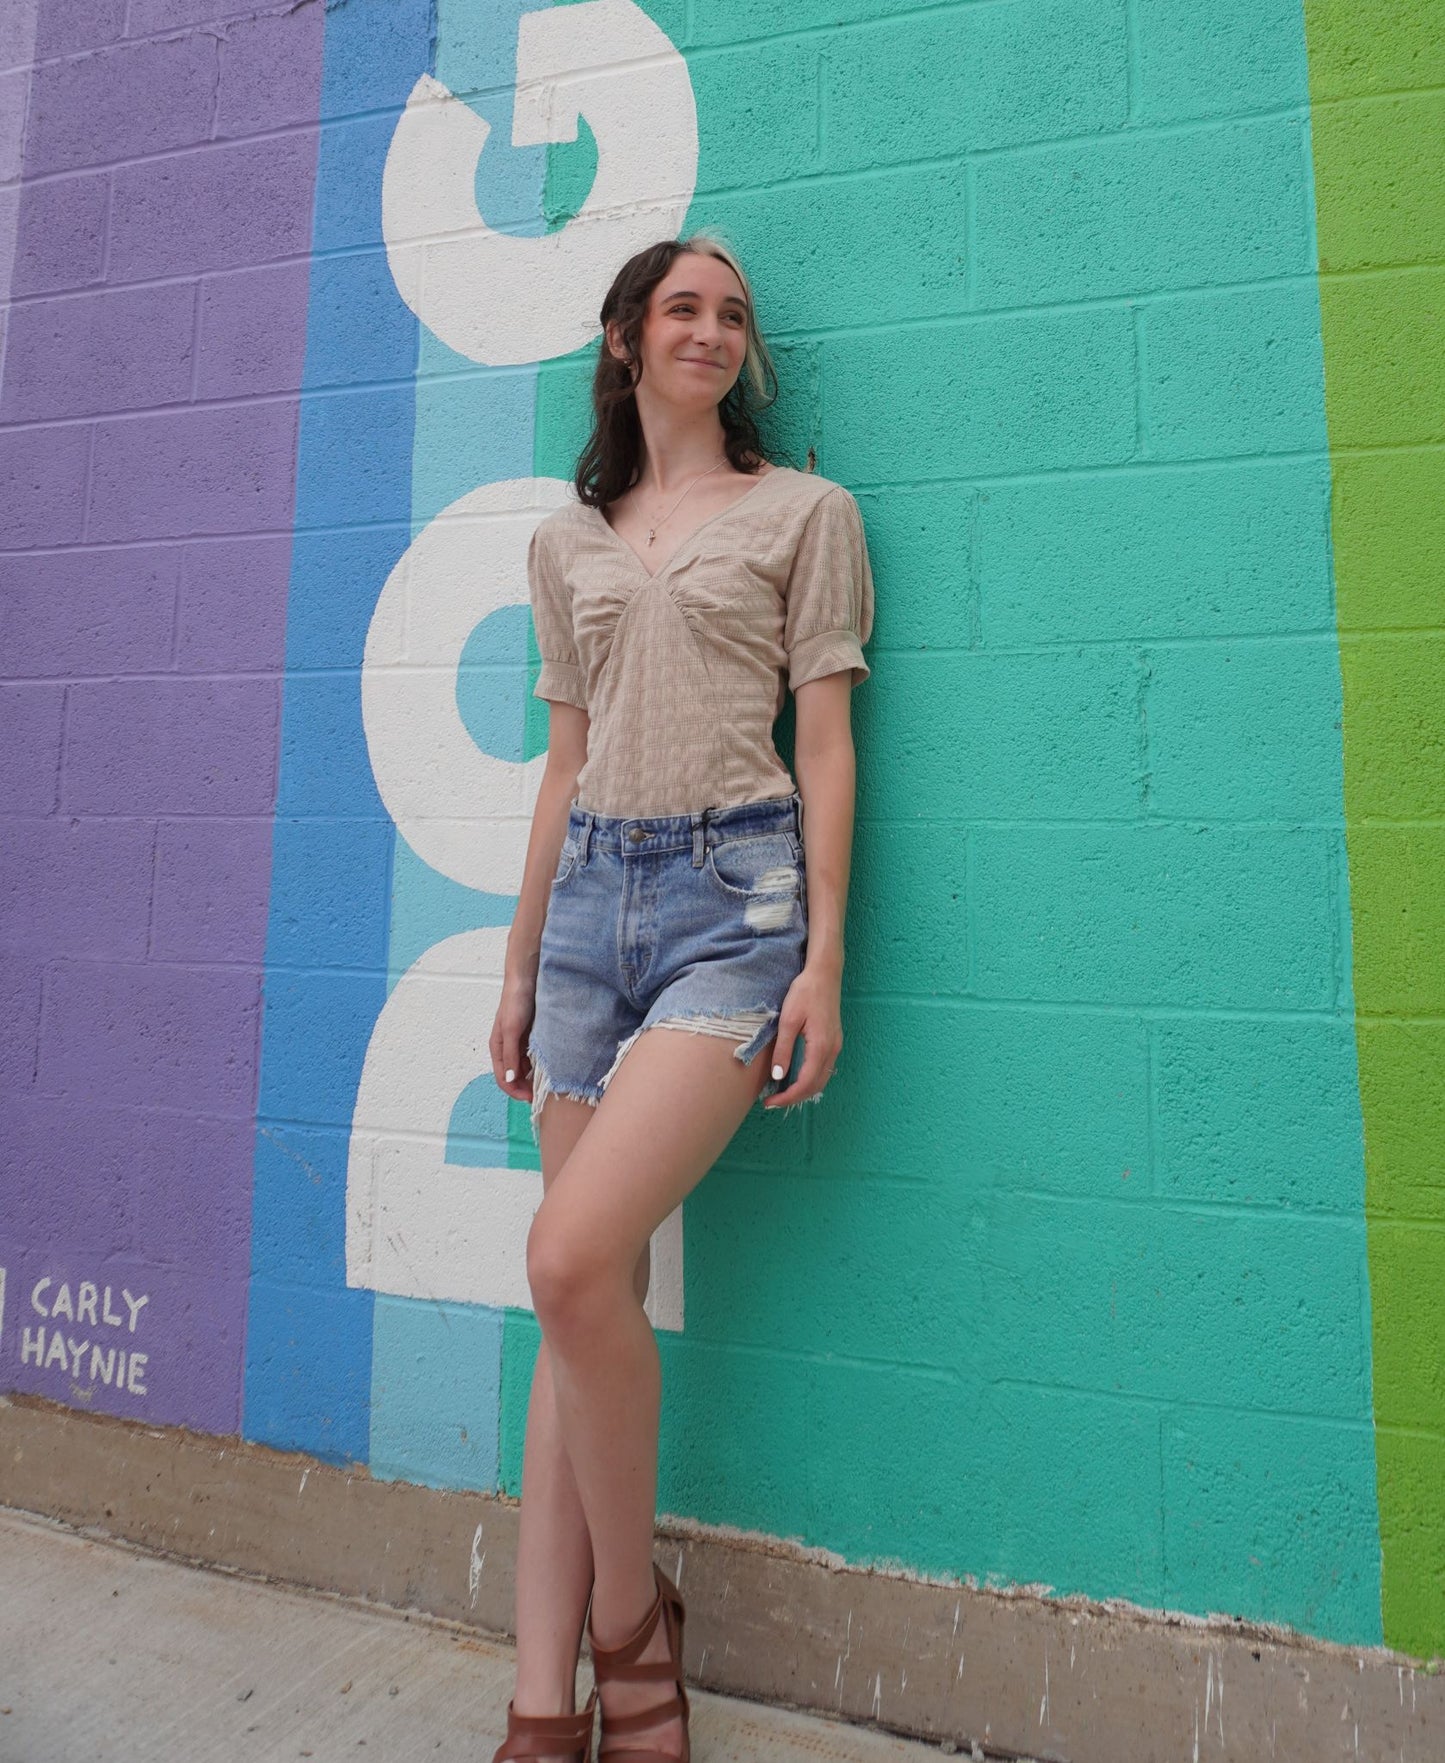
x,y
812,1008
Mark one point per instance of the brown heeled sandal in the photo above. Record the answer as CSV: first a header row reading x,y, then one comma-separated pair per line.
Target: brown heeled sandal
x,y
549,1735
622,1663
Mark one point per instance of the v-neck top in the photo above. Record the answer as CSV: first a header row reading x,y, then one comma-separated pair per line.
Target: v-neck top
x,y
683,669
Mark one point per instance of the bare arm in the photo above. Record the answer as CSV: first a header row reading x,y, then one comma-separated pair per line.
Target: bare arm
x,y
826,768
566,755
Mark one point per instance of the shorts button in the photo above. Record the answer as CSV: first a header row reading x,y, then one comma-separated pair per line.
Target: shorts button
x,y
636,835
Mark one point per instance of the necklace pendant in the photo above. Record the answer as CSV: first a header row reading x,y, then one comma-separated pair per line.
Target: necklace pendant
x,y
651,534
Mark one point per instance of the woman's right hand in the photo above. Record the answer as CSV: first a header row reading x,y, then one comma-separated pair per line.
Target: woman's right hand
x,y
508,1044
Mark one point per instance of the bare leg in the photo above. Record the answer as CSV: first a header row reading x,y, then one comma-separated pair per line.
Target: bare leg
x,y
668,1113
554,1550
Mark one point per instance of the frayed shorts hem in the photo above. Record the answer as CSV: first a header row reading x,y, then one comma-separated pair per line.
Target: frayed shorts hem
x,y
753,1030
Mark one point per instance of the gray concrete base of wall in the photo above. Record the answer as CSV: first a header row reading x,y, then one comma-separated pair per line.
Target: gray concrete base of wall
x,y
996,1673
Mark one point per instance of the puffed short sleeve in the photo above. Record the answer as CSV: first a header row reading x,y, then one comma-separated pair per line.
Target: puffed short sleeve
x,y
829,613
561,676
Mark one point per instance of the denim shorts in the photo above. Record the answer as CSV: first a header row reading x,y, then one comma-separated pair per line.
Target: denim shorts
x,y
696,921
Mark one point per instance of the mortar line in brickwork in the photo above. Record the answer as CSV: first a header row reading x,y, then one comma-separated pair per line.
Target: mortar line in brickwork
x,y
781,334
1310,216
191,395
1141,707
819,368
1151,1109
187,150
847,1177
153,906
220,36
1116,822
829,1358
176,557
1363,272
820,101
1345,1217
1337,881
241,967
1166,1404
62,748
1396,823
1071,645
1322,1014
1083,307
931,162
1162,1420
970,940
1131,60
172,33
970,233
1189,467
176,676
1397,1429
42,1020
1140,366
1387,450
87,484
1128,133
179,540
1358,99
975,586
902,15
1402,1018
107,231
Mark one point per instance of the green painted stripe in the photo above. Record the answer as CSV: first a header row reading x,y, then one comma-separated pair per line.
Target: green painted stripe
x,y
1377,88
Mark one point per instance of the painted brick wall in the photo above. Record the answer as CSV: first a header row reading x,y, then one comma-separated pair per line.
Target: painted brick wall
x,y
159,186
1377,86
1110,1262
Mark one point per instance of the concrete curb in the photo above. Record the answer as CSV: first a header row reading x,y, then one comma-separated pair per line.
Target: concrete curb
x,y
1016,1673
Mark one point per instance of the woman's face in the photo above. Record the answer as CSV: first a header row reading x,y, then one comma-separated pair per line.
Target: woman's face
x,y
694,335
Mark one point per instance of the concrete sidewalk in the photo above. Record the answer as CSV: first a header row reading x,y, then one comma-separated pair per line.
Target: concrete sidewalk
x,y
108,1655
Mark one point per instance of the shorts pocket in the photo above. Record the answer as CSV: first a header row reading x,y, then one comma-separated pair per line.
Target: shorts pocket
x,y
566,860
755,866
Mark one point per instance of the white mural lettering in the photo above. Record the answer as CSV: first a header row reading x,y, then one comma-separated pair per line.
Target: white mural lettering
x,y
504,299
417,1226
85,1361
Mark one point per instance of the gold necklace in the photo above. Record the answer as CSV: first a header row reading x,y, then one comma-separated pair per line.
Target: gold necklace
x,y
652,530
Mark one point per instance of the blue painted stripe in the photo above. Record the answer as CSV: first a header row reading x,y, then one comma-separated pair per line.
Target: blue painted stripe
x,y
309,1336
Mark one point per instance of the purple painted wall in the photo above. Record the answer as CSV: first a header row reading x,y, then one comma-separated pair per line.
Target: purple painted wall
x,y
148,419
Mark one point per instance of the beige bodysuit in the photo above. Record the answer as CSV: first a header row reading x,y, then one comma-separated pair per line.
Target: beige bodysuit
x,y
683,672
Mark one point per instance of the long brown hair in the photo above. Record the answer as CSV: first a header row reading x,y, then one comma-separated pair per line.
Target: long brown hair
x,y
611,461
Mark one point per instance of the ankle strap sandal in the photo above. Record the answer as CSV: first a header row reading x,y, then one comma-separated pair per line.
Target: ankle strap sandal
x,y
549,1735
621,1664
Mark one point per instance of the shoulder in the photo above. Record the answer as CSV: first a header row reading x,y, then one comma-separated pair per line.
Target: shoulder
x,y
815,492
806,502
560,533
568,517
827,511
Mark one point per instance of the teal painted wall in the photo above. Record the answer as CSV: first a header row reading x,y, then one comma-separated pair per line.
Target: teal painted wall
x,y
1065,1282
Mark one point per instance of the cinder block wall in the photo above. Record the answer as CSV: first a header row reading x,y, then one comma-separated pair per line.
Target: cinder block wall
x,y
1110,1263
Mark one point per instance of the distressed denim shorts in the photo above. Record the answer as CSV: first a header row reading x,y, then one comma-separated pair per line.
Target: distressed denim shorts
x,y
696,921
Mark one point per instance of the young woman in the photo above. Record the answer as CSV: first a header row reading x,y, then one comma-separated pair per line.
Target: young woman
x,y
666,887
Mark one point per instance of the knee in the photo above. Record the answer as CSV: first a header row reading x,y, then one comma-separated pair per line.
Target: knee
x,y
567,1277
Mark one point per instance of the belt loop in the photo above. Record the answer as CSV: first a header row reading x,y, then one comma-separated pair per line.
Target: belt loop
x,y
586,839
798,798
699,838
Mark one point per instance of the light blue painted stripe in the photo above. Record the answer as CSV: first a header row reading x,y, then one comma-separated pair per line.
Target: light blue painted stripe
x,y
435,1388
